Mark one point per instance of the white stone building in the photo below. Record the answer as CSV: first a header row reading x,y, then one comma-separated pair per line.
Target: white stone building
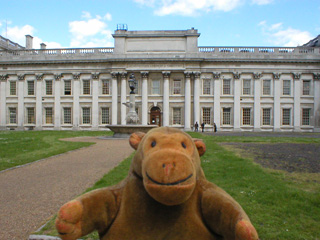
x,y
178,84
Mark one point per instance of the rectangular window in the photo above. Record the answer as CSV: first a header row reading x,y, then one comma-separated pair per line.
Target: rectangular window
x,y
13,88
206,87
30,115
306,116
155,87
226,86
105,117
286,116
176,116
67,119
30,88
105,87
86,87
246,116
12,115
246,87
86,115
226,116
206,115
49,87
286,87
266,116
266,90
306,87
176,86
49,115
67,87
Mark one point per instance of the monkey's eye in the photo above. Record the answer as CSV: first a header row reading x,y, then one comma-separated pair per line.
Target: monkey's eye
x,y
153,143
183,145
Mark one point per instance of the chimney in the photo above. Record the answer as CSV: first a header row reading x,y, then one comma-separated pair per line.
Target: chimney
x,y
29,42
43,46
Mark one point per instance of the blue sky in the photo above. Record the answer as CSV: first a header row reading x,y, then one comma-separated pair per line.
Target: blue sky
x,y
91,23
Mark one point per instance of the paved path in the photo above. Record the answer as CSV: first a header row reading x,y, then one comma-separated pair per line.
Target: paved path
x,y
32,194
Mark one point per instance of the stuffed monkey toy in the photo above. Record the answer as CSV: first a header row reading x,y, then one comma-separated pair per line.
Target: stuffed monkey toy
x,y
164,197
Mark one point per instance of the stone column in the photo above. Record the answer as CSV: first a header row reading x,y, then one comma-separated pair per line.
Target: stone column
x,y
257,105
76,101
187,101
57,105
123,97
217,93
3,83
316,91
95,105
196,98
296,102
144,98
276,102
114,120
166,76
39,117
236,93
20,101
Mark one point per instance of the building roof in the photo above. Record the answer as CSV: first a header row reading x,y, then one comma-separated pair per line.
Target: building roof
x,y
313,43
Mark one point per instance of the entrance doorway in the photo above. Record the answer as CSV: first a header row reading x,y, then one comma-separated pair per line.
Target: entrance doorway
x,y
155,116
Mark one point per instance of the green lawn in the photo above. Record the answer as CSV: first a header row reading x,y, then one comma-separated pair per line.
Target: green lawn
x,y
278,203
21,147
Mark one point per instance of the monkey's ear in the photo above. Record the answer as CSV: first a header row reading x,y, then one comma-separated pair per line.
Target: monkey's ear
x,y
200,146
135,139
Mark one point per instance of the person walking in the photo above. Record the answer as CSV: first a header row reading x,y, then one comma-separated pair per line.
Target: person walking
x,y
202,127
214,127
196,127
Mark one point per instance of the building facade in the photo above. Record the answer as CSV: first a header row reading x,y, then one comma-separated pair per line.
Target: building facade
x,y
178,84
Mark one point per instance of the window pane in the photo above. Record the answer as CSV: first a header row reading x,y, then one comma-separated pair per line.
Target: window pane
x,y
246,116
266,87
156,87
67,115
12,115
49,87
105,115
105,87
49,115
67,87
30,116
86,87
306,116
226,116
13,88
306,87
86,115
30,87
176,115
266,116
226,86
206,115
286,87
286,116
206,87
246,87
177,87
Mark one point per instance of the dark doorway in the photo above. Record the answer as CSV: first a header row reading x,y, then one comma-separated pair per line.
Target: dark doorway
x,y
155,116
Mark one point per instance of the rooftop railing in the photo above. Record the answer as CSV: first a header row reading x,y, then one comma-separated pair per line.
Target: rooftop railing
x,y
260,50
7,44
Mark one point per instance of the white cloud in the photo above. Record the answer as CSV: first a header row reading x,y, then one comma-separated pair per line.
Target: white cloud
x,y
18,34
262,2
289,37
90,32
189,7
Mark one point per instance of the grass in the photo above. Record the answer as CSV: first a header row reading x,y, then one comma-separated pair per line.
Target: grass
x,y
276,202
21,147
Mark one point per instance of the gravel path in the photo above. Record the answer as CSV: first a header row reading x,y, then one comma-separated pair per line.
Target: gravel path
x,y
31,194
